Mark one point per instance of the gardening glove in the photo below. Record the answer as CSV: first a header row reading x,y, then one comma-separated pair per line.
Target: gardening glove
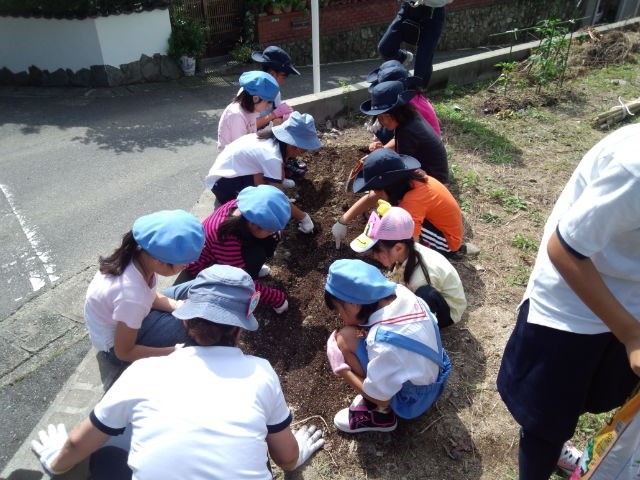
x,y
306,224
282,110
309,440
374,127
282,308
48,448
339,231
335,356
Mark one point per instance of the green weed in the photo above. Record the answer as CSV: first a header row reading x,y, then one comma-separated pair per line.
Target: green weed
x,y
513,204
490,218
521,242
520,276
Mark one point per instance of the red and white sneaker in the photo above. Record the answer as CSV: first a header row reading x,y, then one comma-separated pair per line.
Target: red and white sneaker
x,y
359,418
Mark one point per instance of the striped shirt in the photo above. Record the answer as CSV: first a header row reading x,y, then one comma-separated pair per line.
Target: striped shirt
x,y
229,252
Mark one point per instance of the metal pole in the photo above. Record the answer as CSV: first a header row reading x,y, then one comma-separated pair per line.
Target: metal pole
x,y
315,44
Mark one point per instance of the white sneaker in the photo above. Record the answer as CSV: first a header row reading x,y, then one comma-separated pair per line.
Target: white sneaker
x,y
264,271
408,58
282,308
288,183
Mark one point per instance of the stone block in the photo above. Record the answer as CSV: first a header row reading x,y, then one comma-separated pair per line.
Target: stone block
x,y
35,76
22,79
6,76
114,76
150,69
58,78
82,78
132,73
106,76
169,69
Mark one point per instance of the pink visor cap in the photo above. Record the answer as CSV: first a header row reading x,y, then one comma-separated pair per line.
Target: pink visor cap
x,y
387,223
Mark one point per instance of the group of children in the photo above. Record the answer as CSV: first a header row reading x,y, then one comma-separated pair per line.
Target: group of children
x,y
388,349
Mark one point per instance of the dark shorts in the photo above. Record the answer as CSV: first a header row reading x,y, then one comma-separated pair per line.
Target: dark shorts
x,y
549,377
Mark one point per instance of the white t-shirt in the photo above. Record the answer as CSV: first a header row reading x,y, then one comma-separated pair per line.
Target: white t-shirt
x,y
598,215
111,299
390,366
444,278
235,122
247,155
199,413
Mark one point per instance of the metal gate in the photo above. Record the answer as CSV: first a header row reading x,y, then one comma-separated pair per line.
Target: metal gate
x,y
224,19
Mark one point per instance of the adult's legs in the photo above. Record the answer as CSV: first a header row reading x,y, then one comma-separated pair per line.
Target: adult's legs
x,y
431,26
389,45
110,463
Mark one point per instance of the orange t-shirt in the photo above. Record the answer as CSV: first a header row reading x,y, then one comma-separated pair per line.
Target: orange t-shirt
x,y
432,201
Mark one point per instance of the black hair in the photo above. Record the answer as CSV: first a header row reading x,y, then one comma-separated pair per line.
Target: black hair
x,y
235,226
403,113
122,256
211,334
245,99
398,189
366,309
413,260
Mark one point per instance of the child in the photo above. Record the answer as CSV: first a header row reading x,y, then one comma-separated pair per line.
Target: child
x,y
428,274
244,233
396,179
251,160
389,349
206,411
258,90
123,292
277,63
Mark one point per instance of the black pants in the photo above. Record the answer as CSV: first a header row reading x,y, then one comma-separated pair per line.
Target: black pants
x,y
437,304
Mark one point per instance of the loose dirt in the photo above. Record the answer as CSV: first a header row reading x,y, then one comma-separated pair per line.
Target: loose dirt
x,y
508,171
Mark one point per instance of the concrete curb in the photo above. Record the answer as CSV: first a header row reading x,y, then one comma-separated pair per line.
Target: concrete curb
x,y
86,385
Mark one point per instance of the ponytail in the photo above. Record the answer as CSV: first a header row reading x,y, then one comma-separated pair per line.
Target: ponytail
x,y
122,256
413,260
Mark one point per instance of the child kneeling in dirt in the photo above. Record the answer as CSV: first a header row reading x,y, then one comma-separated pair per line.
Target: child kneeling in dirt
x,y
389,349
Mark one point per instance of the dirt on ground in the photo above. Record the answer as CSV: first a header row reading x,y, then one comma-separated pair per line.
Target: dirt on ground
x,y
507,172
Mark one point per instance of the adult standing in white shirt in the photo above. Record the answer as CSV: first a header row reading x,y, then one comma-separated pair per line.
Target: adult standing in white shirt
x,y
206,411
576,344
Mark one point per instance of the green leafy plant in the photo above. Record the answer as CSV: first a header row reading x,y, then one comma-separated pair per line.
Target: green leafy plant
x,y
507,74
188,36
550,60
522,242
490,218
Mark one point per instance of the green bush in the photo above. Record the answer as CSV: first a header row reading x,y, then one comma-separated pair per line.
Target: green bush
x,y
75,8
188,36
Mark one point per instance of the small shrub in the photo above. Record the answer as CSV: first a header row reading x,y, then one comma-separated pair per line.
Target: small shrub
x,y
521,242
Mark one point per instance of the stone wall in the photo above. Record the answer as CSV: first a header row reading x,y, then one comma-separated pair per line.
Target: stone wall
x,y
158,68
469,24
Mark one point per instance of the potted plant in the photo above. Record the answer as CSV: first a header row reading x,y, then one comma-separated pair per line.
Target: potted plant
x,y
187,41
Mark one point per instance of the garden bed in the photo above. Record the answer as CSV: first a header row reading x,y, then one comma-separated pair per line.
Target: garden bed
x,y
508,165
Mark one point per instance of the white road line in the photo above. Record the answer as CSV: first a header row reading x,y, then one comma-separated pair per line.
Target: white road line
x,y
35,277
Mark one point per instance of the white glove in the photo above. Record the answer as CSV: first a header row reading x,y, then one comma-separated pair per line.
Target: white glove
x,y
282,308
309,440
49,446
305,225
339,231
374,127
417,3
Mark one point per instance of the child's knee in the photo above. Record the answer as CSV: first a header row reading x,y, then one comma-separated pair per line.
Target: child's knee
x,y
347,339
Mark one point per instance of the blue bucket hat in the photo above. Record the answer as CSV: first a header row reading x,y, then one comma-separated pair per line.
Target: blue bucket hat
x,y
171,236
260,84
222,294
276,58
266,206
398,73
373,75
355,281
385,96
383,167
298,130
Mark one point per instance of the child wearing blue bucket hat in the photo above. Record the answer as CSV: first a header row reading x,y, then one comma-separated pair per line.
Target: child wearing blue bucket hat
x,y
252,160
244,233
120,298
259,90
388,350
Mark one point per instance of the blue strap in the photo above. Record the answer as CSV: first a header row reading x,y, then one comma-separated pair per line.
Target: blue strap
x,y
401,341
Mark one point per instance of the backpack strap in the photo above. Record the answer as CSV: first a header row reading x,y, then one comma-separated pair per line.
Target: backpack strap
x,y
402,341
